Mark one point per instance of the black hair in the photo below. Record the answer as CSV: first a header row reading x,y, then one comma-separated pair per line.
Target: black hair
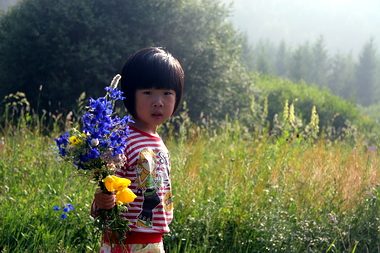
x,y
151,67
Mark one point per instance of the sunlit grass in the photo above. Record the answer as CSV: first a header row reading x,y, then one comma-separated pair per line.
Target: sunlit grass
x,y
270,189
234,191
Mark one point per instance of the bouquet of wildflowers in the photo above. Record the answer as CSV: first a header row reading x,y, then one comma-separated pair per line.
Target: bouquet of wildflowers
x,y
98,150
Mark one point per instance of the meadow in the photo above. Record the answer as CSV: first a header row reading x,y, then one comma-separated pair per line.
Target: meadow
x,y
234,191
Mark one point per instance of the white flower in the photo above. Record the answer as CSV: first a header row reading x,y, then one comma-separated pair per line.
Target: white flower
x,y
94,142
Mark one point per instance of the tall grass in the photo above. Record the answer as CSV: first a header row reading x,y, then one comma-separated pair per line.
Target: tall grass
x,y
234,191
32,183
237,194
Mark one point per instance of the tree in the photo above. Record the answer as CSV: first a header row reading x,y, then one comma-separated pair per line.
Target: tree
x,y
281,59
61,47
300,63
72,46
320,63
366,75
263,57
341,80
247,53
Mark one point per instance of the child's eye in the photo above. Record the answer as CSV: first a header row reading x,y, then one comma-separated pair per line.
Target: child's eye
x,y
168,93
147,92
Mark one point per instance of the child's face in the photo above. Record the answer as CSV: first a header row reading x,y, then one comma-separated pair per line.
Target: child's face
x,y
153,107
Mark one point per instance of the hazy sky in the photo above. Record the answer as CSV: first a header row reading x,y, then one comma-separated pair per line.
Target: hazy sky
x,y
345,24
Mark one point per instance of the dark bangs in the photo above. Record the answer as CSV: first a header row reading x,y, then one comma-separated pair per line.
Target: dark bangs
x,y
151,68
159,73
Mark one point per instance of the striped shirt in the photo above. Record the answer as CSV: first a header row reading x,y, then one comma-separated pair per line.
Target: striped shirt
x,y
148,168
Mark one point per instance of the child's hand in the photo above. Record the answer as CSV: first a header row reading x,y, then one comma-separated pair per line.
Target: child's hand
x,y
104,200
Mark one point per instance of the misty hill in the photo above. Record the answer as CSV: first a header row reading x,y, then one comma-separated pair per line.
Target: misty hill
x,y
345,24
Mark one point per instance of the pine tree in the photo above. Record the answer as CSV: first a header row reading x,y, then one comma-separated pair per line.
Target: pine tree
x,y
366,75
320,64
281,59
341,80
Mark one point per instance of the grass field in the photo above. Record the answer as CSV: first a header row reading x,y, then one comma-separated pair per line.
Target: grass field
x,y
234,191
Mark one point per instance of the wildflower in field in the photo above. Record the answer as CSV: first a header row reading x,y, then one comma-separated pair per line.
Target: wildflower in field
x,y
70,206
67,208
370,194
333,219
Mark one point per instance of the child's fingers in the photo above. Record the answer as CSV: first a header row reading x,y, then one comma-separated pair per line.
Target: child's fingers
x,y
105,201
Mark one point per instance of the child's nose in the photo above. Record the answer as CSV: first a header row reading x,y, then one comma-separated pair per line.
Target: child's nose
x,y
158,102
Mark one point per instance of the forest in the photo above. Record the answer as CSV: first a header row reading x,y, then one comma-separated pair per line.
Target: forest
x,y
354,79
53,54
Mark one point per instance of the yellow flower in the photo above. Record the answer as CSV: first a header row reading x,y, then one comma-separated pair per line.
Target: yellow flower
x,y
74,141
120,185
108,183
125,196
114,183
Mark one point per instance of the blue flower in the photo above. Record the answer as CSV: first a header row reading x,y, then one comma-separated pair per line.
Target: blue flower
x,y
70,206
115,93
100,123
83,158
94,153
63,140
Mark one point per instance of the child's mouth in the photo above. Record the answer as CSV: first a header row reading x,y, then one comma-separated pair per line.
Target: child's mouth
x,y
156,115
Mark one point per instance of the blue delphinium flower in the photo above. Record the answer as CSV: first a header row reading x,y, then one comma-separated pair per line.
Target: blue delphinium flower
x,y
63,216
93,154
115,93
100,124
62,143
56,208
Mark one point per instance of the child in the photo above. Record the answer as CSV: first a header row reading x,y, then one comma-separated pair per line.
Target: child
x,y
153,82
